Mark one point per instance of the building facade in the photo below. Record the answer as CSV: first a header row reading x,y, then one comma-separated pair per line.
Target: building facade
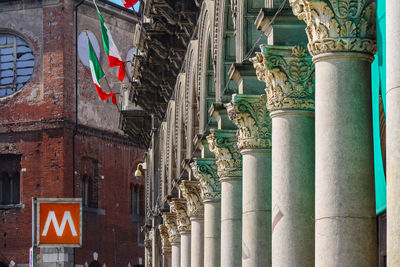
x,y
267,143
59,140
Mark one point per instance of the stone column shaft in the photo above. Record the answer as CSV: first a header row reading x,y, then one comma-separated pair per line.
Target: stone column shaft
x,y
205,171
170,222
224,145
393,131
345,196
289,76
342,42
166,245
212,233
185,249
249,113
176,254
195,209
197,242
179,207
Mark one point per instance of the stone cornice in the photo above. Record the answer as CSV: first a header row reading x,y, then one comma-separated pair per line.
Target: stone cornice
x,y
223,143
179,207
338,25
205,171
249,113
166,245
191,192
289,77
170,221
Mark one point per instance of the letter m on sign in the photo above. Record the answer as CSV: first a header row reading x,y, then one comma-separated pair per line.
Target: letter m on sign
x,y
59,223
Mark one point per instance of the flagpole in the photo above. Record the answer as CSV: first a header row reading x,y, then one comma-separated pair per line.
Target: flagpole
x,y
105,77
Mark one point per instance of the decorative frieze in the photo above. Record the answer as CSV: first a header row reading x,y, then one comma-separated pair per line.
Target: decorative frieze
x,y
289,77
338,25
170,221
179,207
223,143
191,192
205,171
249,113
166,245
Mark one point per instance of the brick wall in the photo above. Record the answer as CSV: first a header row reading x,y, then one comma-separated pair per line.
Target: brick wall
x,y
38,124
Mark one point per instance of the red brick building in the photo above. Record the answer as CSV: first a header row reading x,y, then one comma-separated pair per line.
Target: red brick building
x,y
41,142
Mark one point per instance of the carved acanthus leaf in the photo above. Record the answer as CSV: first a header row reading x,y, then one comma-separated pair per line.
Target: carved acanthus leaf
x,y
166,245
205,171
191,192
179,207
289,77
249,113
338,25
223,143
170,221
258,64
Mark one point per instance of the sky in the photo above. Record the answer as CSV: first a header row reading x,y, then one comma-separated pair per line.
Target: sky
x,y
119,2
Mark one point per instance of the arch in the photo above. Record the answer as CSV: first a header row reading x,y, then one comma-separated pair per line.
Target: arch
x,y
224,40
191,114
204,96
170,143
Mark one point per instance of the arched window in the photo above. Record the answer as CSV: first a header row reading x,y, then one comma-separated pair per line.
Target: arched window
x,y
88,191
89,182
16,63
9,179
135,202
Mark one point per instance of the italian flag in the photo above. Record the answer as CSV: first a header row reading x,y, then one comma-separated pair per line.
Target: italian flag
x,y
114,59
129,3
97,74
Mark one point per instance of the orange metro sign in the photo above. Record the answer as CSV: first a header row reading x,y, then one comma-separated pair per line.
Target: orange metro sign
x,y
59,222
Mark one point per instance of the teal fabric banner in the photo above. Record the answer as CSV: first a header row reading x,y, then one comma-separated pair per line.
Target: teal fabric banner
x,y
378,70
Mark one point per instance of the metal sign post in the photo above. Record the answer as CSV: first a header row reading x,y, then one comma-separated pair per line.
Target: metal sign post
x,y
32,251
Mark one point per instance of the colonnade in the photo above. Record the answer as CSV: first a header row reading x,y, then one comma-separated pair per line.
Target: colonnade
x,y
293,185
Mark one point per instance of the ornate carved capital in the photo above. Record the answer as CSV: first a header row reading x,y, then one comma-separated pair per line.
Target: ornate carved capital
x,y
338,25
191,192
249,113
170,221
289,77
179,207
205,171
258,64
166,245
223,143
148,237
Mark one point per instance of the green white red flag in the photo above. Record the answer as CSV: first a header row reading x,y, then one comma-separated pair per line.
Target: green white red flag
x,y
97,74
129,3
114,59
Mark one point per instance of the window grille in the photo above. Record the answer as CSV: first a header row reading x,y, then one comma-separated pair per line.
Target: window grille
x,y
16,64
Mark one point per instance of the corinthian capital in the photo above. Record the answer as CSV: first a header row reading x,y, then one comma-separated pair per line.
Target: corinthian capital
x,y
191,192
289,77
179,207
223,143
249,113
338,25
170,221
205,171
166,245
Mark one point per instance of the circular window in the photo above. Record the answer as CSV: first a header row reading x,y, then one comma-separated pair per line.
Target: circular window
x,y
16,64
83,47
